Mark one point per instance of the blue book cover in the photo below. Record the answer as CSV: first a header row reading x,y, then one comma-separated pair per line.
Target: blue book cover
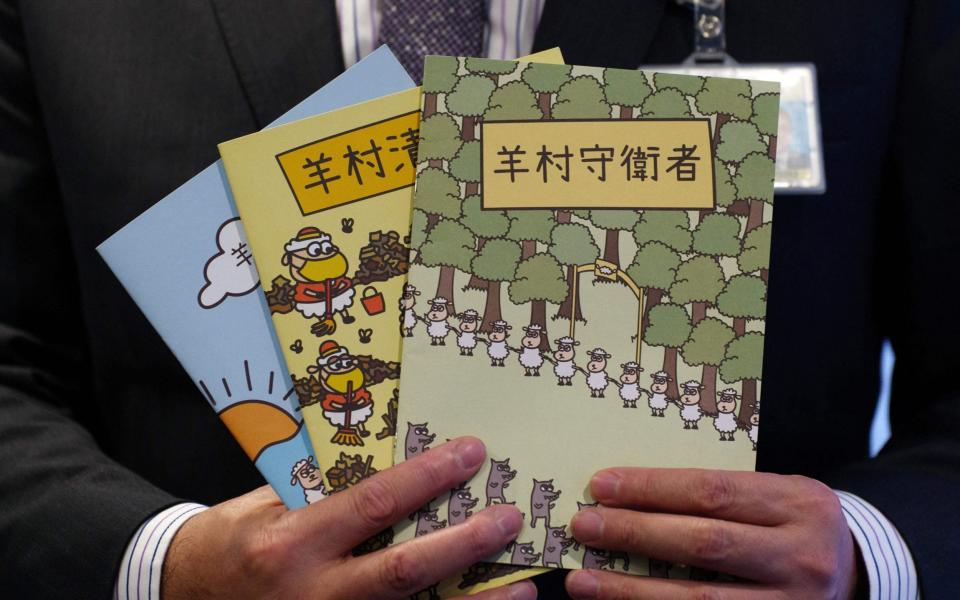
x,y
206,302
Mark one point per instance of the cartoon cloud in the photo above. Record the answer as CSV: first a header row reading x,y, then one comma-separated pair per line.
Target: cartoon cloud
x,y
231,271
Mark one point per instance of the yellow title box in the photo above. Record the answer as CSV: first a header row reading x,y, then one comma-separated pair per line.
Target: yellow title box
x,y
588,164
353,165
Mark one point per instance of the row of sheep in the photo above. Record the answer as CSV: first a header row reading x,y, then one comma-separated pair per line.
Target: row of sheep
x,y
565,369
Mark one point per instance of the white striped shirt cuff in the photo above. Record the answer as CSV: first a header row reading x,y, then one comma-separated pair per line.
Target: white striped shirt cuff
x,y
888,562
142,564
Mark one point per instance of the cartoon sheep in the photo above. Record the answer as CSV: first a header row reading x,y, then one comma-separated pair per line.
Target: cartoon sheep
x,y
307,475
658,395
726,422
437,326
563,366
690,405
754,430
408,317
530,357
497,348
597,378
630,389
467,333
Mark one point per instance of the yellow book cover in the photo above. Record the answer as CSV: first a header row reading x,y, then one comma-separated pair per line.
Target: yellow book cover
x,y
326,203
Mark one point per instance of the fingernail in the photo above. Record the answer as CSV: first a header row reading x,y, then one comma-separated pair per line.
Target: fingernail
x,y
525,590
508,520
582,584
469,453
587,526
605,485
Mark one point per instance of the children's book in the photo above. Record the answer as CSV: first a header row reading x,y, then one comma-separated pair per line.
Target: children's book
x,y
326,204
589,262
203,296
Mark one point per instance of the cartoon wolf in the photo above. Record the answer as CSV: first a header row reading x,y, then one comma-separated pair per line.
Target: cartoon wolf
x,y
498,480
458,508
523,554
418,440
541,501
556,545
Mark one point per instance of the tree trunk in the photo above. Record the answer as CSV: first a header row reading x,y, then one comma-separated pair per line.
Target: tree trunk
x,y
739,208
565,307
429,105
653,298
708,390
445,287
477,283
527,249
468,132
491,308
611,246
755,219
538,316
472,188
739,326
563,216
765,275
772,148
670,368
699,313
543,100
626,112
432,220
748,397
721,121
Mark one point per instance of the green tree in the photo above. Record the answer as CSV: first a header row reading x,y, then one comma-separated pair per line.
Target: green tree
x,y
726,191
438,195
572,244
490,67
654,268
669,227
699,282
529,227
688,84
539,279
484,224
744,362
670,330
626,89
706,347
465,166
725,98
766,116
496,262
439,139
439,76
613,222
744,297
581,98
449,246
513,101
717,235
545,80
469,100
737,140
756,251
754,181
666,103
418,232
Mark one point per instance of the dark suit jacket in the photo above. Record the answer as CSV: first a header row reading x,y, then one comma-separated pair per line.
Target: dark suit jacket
x,y
106,107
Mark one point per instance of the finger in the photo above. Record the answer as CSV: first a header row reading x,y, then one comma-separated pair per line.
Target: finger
x,y
589,584
746,497
349,517
523,590
744,550
402,570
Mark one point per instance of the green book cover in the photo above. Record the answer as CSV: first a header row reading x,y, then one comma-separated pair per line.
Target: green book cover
x,y
589,265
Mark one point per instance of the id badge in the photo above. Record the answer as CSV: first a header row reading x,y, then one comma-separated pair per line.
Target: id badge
x,y
799,167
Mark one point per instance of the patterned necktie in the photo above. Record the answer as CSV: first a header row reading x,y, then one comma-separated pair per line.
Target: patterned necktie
x,y
415,28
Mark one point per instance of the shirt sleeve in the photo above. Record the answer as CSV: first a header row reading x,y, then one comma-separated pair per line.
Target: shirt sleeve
x,y
889,565
142,564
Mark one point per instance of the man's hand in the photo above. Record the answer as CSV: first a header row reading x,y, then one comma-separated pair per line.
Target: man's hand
x,y
785,534
253,547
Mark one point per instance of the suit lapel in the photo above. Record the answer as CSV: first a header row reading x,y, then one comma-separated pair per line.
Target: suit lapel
x,y
613,33
283,50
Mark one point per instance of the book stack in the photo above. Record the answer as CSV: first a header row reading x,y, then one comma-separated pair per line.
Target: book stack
x,y
568,262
